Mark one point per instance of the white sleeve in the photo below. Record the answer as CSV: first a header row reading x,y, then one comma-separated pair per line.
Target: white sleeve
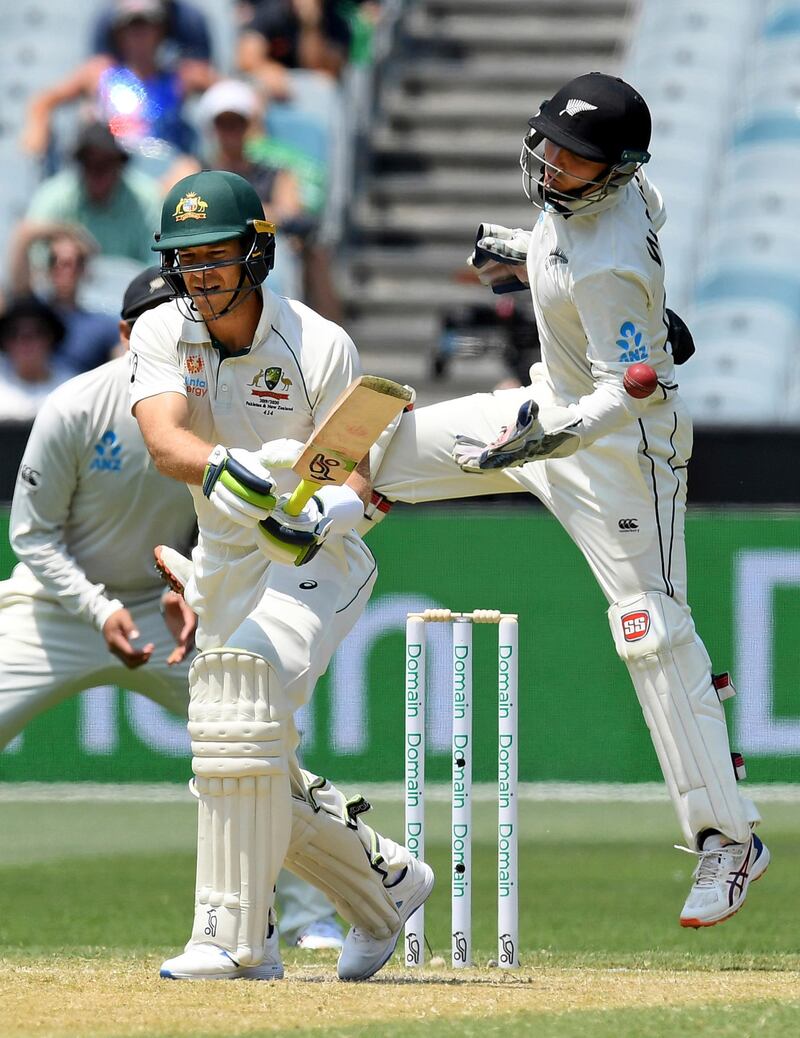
x,y
342,368
47,479
155,367
656,209
614,311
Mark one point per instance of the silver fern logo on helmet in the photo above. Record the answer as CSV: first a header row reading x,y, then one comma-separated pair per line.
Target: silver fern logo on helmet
x,y
574,105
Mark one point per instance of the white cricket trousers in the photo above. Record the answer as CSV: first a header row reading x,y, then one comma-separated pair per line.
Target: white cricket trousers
x,y
623,502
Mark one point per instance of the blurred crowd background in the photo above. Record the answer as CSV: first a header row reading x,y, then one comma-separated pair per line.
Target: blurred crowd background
x,y
379,134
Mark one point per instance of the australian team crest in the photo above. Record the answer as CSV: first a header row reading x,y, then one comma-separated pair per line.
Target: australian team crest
x,y
272,377
190,207
269,378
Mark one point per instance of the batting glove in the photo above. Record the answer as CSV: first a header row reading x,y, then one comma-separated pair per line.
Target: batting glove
x,y
294,540
238,483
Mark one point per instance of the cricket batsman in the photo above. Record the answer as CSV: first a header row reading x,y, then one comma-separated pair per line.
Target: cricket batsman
x,y
610,467
78,611
227,383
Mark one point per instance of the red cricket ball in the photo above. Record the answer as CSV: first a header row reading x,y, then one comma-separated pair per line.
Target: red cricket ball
x,y
640,381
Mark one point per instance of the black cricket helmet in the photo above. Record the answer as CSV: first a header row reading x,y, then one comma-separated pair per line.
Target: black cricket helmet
x,y
597,117
207,208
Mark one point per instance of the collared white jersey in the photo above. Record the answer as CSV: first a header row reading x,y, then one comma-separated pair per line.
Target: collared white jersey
x,y
89,506
283,386
597,282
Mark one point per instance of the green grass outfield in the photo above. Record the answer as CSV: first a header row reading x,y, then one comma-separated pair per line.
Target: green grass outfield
x,y
90,888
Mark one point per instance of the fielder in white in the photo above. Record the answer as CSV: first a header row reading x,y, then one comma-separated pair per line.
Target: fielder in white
x,y
610,468
85,605
232,364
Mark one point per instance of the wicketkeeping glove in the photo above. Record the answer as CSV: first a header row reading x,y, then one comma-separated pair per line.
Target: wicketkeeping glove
x,y
550,433
496,249
294,540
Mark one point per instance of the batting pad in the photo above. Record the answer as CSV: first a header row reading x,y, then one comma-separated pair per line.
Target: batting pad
x,y
671,672
337,852
238,725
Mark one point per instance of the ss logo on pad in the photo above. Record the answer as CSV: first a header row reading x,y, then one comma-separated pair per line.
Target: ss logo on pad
x,y
635,625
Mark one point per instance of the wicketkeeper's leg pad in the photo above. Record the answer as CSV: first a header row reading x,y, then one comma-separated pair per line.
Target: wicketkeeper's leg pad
x,y
671,672
239,723
336,851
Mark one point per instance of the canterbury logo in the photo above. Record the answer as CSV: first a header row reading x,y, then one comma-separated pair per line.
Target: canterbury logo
x,y
574,106
556,256
628,524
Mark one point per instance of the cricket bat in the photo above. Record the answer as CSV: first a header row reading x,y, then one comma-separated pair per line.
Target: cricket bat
x,y
343,440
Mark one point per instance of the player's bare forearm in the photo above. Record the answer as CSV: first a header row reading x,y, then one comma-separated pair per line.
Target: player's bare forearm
x,y
176,451
183,457
361,481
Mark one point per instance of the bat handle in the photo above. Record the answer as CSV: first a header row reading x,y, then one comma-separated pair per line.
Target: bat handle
x,y
303,493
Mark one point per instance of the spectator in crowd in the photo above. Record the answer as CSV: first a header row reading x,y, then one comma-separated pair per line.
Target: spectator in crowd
x,y
280,35
118,207
89,336
138,94
30,334
296,50
185,31
229,113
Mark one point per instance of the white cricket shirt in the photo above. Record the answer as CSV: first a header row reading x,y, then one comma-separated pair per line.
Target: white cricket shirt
x,y
89,506
282,386
597,283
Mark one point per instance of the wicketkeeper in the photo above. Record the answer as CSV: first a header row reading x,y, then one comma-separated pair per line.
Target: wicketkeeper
x,y
611,468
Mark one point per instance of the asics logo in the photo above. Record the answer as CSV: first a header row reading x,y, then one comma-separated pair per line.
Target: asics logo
x,y
575,105
737,880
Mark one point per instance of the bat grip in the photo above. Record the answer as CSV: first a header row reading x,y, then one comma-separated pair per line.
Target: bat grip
x,y
302,494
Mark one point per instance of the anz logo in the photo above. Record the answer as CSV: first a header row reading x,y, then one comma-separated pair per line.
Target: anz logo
x,y
107,454
630,342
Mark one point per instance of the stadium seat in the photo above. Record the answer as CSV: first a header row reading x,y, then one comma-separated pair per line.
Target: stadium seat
x,y
761,247
746,318
734,283
722,399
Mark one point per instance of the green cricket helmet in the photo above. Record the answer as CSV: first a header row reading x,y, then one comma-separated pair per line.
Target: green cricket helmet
x,y
207,208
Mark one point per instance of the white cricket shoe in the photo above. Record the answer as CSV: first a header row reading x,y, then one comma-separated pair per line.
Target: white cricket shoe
x,y
208,962
362,954
721,879
322,935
